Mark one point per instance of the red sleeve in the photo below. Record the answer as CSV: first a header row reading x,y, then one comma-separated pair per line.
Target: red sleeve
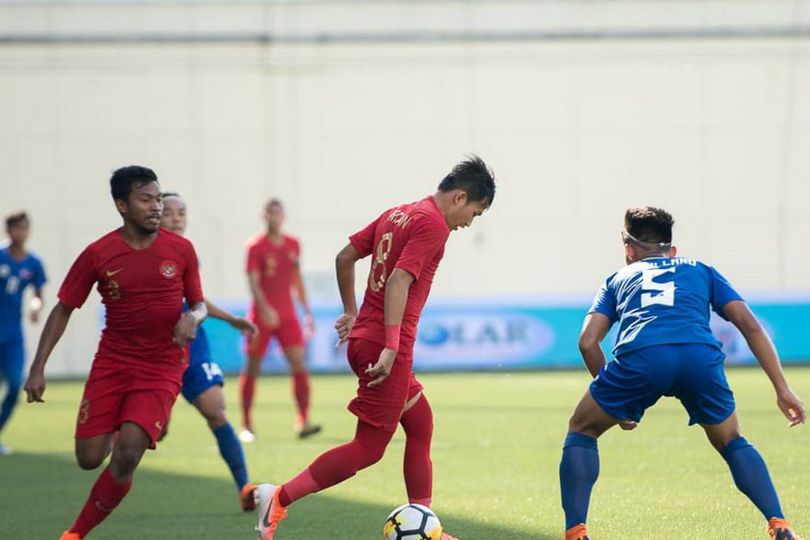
x,y
426,239
254,258
363,240
192,288
79,280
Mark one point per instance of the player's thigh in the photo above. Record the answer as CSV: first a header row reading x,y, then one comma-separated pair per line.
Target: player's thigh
x,y
589,418
296,358
129,448
415,392
256,347
290,336
92,451
379,405
211,404
99,415
702,385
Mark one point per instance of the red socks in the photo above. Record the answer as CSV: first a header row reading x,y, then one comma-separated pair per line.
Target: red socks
x,y
339,463
418,469
104,497
247,387
300,380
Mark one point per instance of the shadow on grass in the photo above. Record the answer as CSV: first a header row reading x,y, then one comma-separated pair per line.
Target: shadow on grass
x,y
41,494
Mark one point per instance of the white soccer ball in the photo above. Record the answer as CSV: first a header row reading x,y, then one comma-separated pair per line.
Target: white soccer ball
x,y
412,522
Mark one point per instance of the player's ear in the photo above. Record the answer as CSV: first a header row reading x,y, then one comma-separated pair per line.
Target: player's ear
x,y
673,251
121,206
460,198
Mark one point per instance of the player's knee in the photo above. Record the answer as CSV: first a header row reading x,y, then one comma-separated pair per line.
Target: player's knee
x,y
126,458
373,455
89,461
216,419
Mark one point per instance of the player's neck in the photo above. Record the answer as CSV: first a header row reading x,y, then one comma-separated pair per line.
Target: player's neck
x,y
275,236
17,251
137,238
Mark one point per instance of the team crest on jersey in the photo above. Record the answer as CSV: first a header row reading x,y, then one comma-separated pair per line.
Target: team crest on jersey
x,y
25,273
168,269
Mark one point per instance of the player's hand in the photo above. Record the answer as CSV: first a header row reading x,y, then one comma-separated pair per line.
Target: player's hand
x,y
35,387
185,330
270,317
382,368
628,425
309,331
791,406
245,326
344,325
34,316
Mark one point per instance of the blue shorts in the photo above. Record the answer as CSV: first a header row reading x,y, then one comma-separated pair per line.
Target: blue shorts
x,y
693,373
12,363
202,372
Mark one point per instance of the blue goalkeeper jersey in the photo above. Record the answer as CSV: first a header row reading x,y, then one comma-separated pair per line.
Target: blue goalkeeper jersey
x,y
661,301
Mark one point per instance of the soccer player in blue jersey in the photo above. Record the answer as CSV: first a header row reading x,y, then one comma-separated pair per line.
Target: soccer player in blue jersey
x,y
665,347
203,381
19,268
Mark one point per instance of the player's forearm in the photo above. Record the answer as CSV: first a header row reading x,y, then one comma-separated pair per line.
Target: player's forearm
x,y
764,351
218,313
594,358
54,328
396,296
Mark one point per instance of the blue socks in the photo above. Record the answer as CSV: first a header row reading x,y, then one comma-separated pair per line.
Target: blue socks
x,y
751,476
231,450
579,470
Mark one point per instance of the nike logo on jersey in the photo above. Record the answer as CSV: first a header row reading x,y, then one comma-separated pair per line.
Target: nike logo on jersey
x,y
111,273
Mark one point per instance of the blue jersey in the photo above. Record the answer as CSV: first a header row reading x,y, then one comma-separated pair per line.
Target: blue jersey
x,y
662,301
15,276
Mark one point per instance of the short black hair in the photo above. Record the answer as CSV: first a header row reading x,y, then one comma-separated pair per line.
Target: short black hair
x,y
15,218
273,202
123,179
649,224
474,178
165,194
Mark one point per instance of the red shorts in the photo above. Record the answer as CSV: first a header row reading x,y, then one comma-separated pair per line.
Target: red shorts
x,y
114,397
288,334
381,405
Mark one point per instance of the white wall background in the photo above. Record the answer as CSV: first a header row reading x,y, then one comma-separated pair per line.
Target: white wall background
x,y
394,93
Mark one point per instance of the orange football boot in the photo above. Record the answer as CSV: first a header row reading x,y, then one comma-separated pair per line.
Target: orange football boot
x,y
577,532
247,497
779,529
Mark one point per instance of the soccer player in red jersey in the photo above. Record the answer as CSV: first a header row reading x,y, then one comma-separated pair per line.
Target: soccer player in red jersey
x,y
143,274
406,244
274,274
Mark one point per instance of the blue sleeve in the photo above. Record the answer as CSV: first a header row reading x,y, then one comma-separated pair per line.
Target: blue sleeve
x,y
721,292
605,302
40,278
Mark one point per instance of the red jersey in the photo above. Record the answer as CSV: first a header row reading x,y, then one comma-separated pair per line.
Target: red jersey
x,y
142,292
277,265
410,237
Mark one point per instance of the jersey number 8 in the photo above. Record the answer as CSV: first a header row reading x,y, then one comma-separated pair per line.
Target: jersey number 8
x,y
383,249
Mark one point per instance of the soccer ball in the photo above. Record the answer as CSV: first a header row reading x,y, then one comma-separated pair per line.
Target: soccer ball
x,y
412,522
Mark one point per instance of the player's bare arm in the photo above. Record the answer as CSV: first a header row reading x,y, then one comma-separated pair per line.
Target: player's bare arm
x,y
301,293
594,329
186,328
36,305
396,296
54,328
268,314
761,345
240,323
344,268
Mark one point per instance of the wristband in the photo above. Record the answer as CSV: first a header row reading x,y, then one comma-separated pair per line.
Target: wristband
x,y
392,336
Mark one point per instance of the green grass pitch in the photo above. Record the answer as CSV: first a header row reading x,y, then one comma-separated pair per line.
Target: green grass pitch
x,y
496,451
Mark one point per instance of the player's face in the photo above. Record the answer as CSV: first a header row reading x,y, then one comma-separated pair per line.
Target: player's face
x,y
174,215
464,212
18,233
143,208
274,217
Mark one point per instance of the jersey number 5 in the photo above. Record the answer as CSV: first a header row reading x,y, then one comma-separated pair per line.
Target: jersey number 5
x,y
664,293
375,281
